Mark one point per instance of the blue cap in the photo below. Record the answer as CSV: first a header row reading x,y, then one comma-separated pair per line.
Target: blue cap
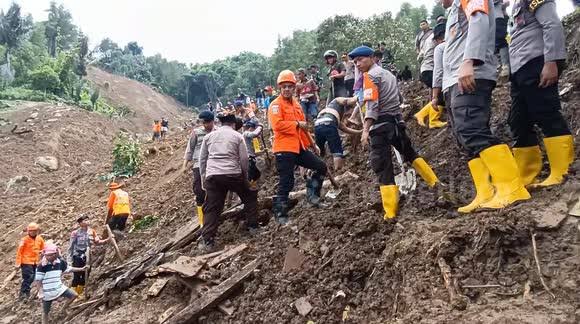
x,y
361,51
206,115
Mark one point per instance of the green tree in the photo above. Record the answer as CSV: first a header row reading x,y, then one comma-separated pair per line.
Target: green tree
x,y
45,79
61,33
133,48
437,11
12,30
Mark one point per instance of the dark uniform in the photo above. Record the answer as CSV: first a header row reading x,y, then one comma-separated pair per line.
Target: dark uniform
x,y
538,39
469,35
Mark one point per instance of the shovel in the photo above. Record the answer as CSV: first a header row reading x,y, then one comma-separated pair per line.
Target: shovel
x,y
406,180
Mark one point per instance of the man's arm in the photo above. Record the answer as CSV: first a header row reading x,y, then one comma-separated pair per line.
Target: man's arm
x,y
191,144
203,156
243,154
19,253
110,204
71,246
554,47
476,44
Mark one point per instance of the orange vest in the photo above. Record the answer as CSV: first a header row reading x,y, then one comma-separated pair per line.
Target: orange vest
x,y
119,202
283,115
156,128
29,250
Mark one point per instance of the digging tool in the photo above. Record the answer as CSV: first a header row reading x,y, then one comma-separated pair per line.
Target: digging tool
x,y
268,159
406,180
114,242
333,193
88,265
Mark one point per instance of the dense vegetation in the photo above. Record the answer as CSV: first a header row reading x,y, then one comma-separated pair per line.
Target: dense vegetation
x,y
48,59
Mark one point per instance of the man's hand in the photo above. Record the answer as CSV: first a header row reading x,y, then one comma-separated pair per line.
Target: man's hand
x,y
303,125
549,75
316,149
466,77
364,139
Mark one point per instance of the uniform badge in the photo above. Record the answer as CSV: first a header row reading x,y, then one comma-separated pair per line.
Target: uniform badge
x,y
275,109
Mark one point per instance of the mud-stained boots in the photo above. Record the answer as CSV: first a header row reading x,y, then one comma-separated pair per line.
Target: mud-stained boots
x,y
313,188
425,171
280,209
80,289
529,161
505,177
560,151
200,216
422,114
434,117
390,198
483,189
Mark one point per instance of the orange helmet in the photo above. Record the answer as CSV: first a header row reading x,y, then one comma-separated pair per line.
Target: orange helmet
x,y
286,76
32,227
114,185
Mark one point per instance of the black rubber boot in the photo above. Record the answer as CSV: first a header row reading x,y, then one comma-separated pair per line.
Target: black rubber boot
x,y
313,189
280,209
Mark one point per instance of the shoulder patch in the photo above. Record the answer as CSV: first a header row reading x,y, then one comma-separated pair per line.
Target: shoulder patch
x,y
535,4
472,6
275,109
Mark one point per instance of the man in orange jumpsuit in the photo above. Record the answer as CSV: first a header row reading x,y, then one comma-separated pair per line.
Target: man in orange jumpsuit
x,y
118,207
28,256
290,145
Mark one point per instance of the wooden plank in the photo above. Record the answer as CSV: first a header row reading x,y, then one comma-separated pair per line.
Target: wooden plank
x,y
226,255
212,297
302,306
157,286
9,278
184,265
293,259
114,242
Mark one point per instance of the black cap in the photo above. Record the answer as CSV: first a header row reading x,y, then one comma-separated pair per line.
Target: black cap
x,y
82,217
206,115
439,31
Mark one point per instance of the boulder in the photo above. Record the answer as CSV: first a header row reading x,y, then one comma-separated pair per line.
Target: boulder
x,y
49,163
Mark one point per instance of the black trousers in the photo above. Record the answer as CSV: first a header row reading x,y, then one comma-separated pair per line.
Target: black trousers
x,y
217,187
253,171
118,222
532,105
28,272
78,261
471,114
349,84
287,161
427,78
500,33
197,188
381,140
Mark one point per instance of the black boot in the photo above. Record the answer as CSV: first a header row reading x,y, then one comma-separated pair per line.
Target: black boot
x,y
313,188
280,209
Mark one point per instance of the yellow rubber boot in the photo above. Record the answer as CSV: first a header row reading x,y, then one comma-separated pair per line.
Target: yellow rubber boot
x,y
505,177
200,216
560,151
422,114
483,189
425,171
256,145
390,198
80,289
529,161
434,117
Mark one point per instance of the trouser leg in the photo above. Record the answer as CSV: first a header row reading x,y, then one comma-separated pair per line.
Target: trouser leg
x,y
380,153
250,200
197,188
28,272
285,163
216,192
402,143
79,261
471,115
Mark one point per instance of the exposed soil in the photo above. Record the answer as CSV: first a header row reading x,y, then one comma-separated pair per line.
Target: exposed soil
x,y
387,272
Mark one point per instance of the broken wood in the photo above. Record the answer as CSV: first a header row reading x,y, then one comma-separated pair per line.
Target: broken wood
x,y
538,267
184,265
87,303
227,254
481,286
114,242
213,296
226,307
456,300
325,264
9,278
157,286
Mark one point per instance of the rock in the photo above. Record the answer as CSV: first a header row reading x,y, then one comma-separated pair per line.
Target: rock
x,y
52,120
33,115
86,164
303,306
16,180
57,115
551,217
293,259
31,190
49,163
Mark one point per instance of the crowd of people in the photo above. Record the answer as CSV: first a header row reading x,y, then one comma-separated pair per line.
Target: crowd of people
x,y
458,64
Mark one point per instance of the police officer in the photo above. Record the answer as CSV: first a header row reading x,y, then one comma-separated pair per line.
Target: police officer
x,y
537,54
192,155
290,145
470,76
384,127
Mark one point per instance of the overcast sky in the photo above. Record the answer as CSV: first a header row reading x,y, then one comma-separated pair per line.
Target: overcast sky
x,y
203,31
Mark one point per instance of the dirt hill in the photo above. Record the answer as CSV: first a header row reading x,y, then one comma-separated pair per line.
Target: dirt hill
x,y
355,267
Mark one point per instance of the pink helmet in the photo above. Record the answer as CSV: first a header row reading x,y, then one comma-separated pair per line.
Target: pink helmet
x,y
50,248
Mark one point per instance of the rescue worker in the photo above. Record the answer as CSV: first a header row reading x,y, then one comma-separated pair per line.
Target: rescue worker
x,y
501,44
427,66
192,155
156,130
307,92
252,131
336,75
48,279
422,37
27,257
470,74
80,241
438,97
384,127
537,55
118,207
268,96
164,127
290,146
223,164
329,121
